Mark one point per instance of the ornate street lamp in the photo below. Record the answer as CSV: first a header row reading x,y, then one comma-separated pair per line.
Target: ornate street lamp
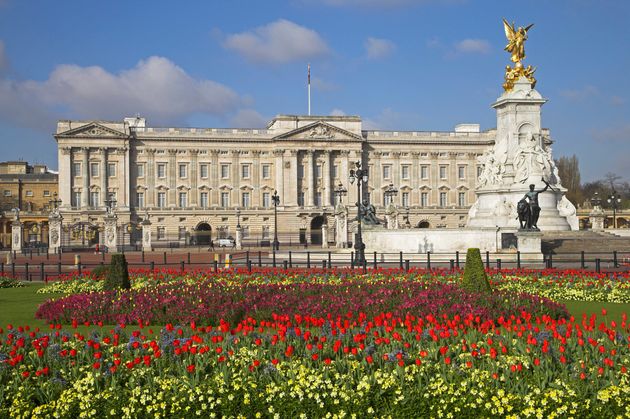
x,y
360,176
55,202
407,223
614,200
110,204
276,201
390,193
340,192
238,218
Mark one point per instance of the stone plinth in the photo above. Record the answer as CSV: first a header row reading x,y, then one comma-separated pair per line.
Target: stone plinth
x,y
239,238
54,232
16,236
341,226
597,218
111,233
146,235
529,244
325,236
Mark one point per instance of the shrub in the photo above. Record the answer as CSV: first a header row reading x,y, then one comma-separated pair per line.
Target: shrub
x,y
475,278
117,275
100,271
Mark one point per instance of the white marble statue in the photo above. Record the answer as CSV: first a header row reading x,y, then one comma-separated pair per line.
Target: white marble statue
x,y
530,161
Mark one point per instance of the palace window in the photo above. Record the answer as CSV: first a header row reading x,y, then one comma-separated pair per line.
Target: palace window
x,y
424,172
461,199
405,199
387,172
76,199
301,199
141,170
140,199
94,169
266,199
183,171
161,201
161,233
335,171
265,232
76,169
182,233
300,171
318,199
245,200
461,172
46,193
161,170
183,199
203,199
404,171
443,201
94,199
203,171
424,199
318,171
266,171
29,193
479,170
225,171
225,199
111,169
245,171
442,172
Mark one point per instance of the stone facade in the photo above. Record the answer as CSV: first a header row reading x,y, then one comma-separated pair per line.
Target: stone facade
x,y
190,181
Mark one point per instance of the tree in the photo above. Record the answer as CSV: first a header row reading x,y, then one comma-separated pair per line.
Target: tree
x,y
569,172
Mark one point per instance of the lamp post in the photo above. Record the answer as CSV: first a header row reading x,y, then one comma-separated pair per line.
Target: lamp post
x,y
360,176
340,192
55,202
407,223
614,200
110,204
238,218
390,193
276,201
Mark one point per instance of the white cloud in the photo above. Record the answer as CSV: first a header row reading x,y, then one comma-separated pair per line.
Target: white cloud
x,y
4,61
337,112
156,88
378,48
248,118
578,95
279,42
472,46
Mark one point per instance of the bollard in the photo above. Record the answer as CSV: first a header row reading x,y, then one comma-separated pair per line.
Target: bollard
x,y
285,264
164,257
290,259
582,260
457,259
216,266
228,261
598,267
329,259
41,271
28,277
518,259
249,266
615,259
308,259
407,265
375,263
274,258
77,260
499,264
152,266
58,268
487,259
429,260
400,260
189,258
181,266
324,264
452,262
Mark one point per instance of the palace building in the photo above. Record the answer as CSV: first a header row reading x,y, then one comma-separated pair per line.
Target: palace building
x,y
199,183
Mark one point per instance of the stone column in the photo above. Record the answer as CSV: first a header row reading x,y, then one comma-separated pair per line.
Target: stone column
x,y
292,193
255,199
325,236
239,238
214,178
236,179
104,192
16,235
172,178
376,177
65,176
327,168
54,231
279,169
149,175
414,196
341,226
146,234
396,172
111,233
85,173
193,195
310,193
125,179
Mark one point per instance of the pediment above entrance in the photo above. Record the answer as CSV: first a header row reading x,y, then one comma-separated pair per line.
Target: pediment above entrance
x,y
93,129
319,131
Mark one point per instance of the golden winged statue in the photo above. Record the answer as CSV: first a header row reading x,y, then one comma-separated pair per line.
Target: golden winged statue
x,y
516,47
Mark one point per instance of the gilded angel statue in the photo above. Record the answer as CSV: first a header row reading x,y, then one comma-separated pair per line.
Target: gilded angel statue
x,y
516,40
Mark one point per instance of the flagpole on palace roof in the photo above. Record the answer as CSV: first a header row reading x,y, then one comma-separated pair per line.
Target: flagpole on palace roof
x,y
309,89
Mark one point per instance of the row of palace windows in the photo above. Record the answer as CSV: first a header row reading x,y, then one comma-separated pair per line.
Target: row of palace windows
x,y
405,171
29,193
424,199
95,169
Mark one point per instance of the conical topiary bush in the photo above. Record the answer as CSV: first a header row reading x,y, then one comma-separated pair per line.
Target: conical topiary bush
x,y
475,278
118,275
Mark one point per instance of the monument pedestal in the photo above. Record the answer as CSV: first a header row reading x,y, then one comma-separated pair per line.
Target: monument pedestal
x,y
341,226
239,238
16,236
54,232
529,244
111,233
597,217
146,235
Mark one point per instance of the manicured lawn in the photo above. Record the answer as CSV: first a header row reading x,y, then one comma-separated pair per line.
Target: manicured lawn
x,y
18,306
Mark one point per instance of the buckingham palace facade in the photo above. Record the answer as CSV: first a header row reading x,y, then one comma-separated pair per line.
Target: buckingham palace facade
x,y
199,183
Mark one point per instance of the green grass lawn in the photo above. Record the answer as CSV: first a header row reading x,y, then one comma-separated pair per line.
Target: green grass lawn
x,y
18,307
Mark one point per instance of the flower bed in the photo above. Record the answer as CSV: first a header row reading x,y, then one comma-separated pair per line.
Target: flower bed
x,y
209,301
8,282
411,366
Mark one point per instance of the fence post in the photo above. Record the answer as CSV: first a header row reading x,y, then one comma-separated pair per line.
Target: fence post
x,y
13,269
329,259
400,255
364,265
41,271
407,265
181,266
152,266
550,261
598,267
47,254
103,256
375,262
308,259
487,259
274,258
323,263
290,259
80,268
189,258
615,259
164,257
518,259
31,254
352,260
2,268
216,266
499,264
285,264
582,260
259,259
58,268
452,265
59,255
28,277
429,260
249,266
247,258
143,256
457,259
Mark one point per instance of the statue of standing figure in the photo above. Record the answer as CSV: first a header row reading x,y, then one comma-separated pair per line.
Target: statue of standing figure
x,y
533,209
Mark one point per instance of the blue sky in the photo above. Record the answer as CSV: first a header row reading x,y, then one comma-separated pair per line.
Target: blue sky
x,y
399,64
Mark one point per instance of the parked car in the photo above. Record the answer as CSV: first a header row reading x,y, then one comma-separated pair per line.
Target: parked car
x,y
225,242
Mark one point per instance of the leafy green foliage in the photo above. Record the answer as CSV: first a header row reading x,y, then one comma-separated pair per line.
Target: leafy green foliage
x,y
118,274
475,278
